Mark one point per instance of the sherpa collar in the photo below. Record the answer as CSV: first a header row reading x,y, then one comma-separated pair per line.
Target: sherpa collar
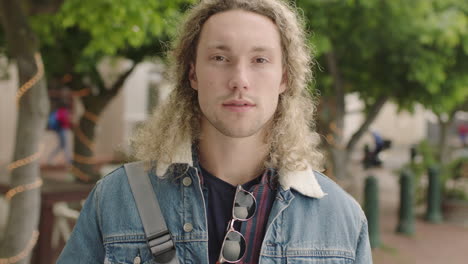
x,y
304,182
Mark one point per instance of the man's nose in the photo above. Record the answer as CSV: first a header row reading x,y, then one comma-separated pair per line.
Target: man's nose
x,y
239,78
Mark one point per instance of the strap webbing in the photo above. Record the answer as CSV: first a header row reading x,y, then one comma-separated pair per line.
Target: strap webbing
x,y
157,233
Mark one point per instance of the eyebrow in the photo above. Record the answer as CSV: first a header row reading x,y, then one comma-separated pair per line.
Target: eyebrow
x,y
223,47
219,47
260,48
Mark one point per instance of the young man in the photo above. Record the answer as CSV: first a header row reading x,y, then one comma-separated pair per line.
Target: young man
x,y
238,119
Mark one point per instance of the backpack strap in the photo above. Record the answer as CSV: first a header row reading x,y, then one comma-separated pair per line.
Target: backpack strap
x,y
157,234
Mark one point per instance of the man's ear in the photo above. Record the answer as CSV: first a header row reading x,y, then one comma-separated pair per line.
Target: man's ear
x,y
284,82
193,77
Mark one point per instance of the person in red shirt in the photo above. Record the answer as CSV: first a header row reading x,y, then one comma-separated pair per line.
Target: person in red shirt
x,y
61,127
462,132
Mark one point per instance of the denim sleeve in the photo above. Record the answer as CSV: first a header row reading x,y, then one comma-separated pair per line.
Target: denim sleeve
x,y
363,249
85,243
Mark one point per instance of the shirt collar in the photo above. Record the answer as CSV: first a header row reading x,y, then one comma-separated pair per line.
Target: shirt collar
x,y
266,178
305,181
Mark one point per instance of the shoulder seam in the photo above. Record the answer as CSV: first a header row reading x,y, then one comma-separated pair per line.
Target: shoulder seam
x,y
362,213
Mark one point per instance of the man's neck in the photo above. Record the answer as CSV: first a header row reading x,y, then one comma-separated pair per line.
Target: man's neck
x,y
233,160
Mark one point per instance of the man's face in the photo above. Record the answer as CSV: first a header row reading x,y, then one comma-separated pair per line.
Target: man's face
x,y
238,73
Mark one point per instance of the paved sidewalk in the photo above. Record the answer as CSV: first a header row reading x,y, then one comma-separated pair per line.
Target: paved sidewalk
x,y
431,244
444,243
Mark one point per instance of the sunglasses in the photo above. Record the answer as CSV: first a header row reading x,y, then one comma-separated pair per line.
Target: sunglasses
x,y
234,248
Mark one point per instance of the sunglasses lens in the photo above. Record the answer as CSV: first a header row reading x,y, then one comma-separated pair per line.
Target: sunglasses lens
x,y
244,205
233,247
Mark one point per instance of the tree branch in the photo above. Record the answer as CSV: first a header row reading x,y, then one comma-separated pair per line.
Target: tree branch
x,y
97,79
122,78
370,117
115,88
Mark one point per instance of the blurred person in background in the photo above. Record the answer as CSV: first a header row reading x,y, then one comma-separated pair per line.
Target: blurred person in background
x,y
59,123
231,155
371,157
462,132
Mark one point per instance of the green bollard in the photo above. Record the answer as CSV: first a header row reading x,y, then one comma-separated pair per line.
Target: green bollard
x,y
371,208
433,213
406,212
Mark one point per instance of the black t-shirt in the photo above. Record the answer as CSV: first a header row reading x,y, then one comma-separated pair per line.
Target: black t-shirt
x,y
220,199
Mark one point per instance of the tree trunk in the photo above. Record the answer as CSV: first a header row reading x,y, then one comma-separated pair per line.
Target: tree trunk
x,y
340,161
334,121
338,156
84,167
83,164
443,146
33,109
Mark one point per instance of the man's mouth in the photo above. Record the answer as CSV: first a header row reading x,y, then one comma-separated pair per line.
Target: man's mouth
x,y
238,105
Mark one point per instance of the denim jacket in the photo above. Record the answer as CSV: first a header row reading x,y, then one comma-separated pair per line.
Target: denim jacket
x,y
312,221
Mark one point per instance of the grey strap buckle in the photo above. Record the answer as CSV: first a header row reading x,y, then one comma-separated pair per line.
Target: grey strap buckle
x,y
160,243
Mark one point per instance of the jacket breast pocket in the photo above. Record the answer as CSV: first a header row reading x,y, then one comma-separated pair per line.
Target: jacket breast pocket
x,y
304,256
316,260
128,253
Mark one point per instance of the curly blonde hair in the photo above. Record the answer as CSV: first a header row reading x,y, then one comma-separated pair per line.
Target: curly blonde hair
x,y
292,140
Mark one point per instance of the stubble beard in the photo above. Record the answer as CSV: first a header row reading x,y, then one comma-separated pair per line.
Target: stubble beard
x,y
229,128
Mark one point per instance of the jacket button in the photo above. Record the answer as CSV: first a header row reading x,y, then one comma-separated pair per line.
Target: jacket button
x,y
187,181
188,227
137,260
